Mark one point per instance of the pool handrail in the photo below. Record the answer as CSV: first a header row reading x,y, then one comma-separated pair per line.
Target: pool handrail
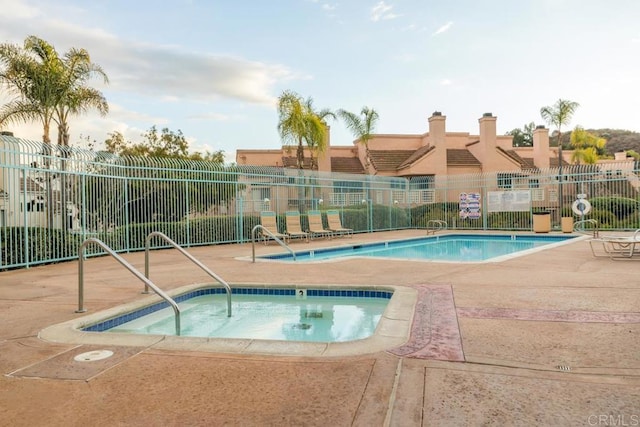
x,y
190,257
434,225
266,231
596,231
148,283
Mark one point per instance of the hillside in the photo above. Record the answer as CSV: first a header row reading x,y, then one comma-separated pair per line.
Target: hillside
x,y
617,139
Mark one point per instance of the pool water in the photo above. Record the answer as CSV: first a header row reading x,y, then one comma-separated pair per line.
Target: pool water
x,y
268,317
453,247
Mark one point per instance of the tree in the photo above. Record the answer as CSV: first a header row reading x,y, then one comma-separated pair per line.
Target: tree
x,y
558,115
523,137
362,126
75,96
587,147
634,154
317,141
204,181
49,88
166,144
30,74
299,124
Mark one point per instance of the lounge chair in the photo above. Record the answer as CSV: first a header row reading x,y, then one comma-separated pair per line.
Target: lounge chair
x,y
269,222
294,229
617,247
316,228
335,224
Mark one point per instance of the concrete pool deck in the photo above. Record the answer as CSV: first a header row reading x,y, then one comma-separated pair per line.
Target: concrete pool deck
x,y
550,338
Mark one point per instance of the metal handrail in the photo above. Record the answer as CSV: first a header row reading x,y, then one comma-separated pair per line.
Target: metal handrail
x,y
437,224
264,230
190,257
596,231
148,283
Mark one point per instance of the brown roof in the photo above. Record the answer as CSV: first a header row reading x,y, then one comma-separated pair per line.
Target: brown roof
x,y
292,162
553,162
389,160
461,157
346,165
529,163
516,157
418,154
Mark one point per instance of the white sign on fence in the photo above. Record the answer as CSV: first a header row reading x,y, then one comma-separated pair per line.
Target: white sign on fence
x,y
509,201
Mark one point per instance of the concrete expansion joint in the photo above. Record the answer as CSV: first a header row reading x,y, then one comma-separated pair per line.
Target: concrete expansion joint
x,y
392,396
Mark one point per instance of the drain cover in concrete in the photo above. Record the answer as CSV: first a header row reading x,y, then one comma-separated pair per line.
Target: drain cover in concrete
x,y
92,356
72,364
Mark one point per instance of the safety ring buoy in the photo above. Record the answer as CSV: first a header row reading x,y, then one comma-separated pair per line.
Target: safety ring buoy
x,y
586,207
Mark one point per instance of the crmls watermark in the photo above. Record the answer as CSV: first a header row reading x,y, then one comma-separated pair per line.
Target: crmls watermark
x,y
614,420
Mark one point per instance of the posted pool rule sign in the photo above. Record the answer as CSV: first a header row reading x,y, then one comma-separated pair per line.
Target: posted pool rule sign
x,y
469,205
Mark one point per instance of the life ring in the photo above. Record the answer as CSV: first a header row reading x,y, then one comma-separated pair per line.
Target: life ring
x,y
586,207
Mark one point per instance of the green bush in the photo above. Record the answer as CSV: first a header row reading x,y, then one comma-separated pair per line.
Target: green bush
x,y
42,245
621,207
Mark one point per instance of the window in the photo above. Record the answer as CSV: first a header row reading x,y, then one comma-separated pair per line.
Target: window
x,y
426,182
505,180
347,187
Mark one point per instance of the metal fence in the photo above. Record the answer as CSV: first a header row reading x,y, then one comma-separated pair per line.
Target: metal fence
x,y
53,198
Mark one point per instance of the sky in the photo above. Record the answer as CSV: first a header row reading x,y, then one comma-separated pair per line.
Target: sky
x,y
214,69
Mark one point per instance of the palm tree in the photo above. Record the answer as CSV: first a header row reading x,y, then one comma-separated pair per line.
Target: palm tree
x,y
587,147
30,74
48,88
362,126
75,96
316,142
558,115
299,124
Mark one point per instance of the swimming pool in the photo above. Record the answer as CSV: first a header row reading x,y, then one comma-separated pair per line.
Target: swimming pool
x,y
446,248
320,315
392,330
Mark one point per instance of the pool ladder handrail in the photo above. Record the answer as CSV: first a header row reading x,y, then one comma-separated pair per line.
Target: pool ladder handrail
x,y
264,230
148,283
596,231
190,257
434,225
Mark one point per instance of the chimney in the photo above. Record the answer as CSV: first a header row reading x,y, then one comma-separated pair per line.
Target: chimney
x,y
541,153
437,129
488,141
437,139
620,155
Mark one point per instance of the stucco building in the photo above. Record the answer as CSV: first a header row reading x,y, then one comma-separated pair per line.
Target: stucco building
x,y
436,152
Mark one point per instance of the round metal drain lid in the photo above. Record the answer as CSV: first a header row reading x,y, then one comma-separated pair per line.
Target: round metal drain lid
x,y
92,356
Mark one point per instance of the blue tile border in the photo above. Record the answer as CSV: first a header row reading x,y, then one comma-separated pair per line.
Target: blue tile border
x,y
343,293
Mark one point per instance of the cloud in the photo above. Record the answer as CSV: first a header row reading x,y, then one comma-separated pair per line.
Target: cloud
x,y
216,117
443,28
446,82
382,11
163,72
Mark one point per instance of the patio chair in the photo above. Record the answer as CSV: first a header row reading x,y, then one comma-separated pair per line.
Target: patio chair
x,y
269,222
294,229
316,228
335,224
617,247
